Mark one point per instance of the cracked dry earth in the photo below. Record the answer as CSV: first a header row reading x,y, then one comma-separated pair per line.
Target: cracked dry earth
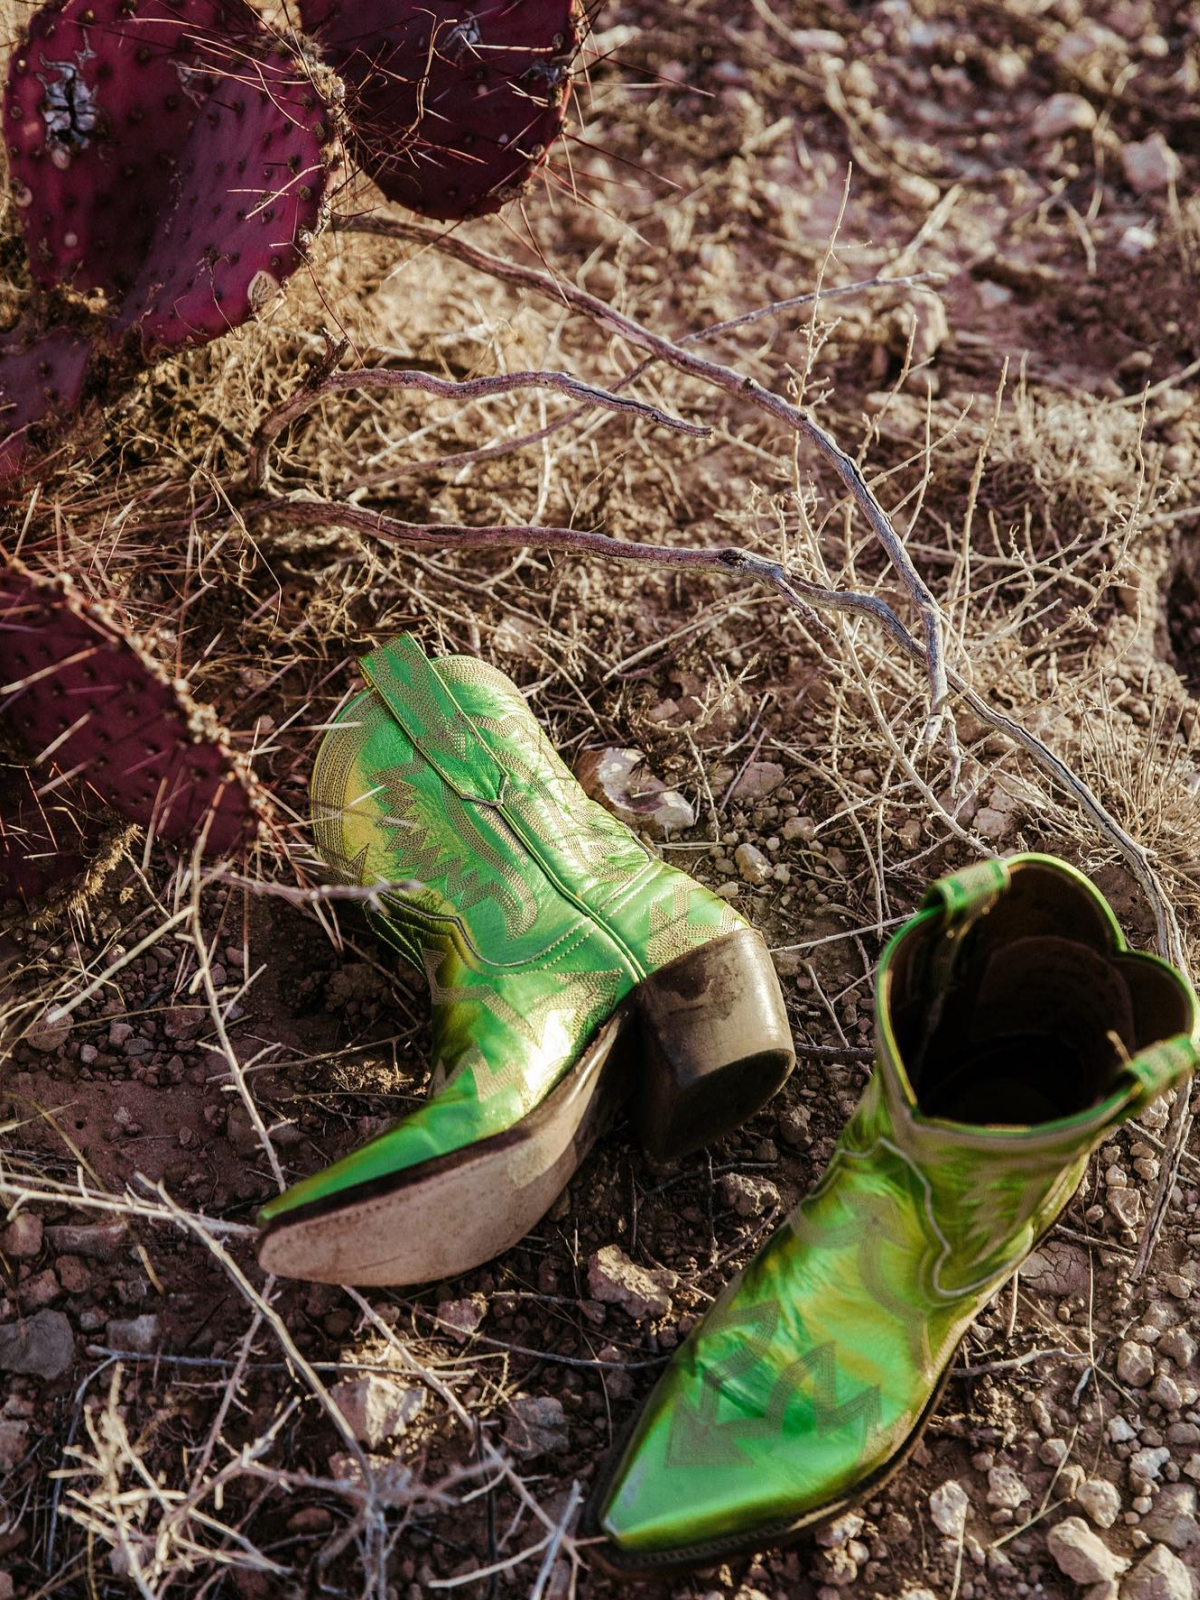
x,y
1035,425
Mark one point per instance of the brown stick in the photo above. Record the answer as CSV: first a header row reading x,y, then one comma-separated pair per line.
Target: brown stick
x,y
739,385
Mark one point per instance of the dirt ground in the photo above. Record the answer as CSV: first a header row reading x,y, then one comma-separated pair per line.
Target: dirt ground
x,y
1030,418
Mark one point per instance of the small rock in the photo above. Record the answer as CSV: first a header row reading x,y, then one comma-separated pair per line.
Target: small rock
x,y
1150,165
1135,1363
1081,1554
642,1292
1057,1268
1061,114
1053,1452
845,1528
1126,1206
758,780
537,1425
377,1407
799,828
48,1032
462,1317
41,1289
749,1197
1158,1576
1005,1489
100,1241
1164,1391
751,863
623,784
119,1033
793,1125
73,1275
134,1333
22,1239
1178,1344
1173,1519
948,1506
1100,1500
13,1438
42,1346
1148,1463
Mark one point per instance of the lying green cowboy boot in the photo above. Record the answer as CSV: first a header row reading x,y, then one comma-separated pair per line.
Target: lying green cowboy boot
x,y
1015,1032
571,970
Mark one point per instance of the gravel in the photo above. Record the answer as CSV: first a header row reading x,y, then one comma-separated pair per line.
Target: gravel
x,y
642,1292
1082,1554
43,1346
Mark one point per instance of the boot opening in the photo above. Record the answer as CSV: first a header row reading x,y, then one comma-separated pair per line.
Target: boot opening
x,y
1028,1015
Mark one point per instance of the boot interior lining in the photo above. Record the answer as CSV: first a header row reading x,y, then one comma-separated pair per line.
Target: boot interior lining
x,y
1030,1016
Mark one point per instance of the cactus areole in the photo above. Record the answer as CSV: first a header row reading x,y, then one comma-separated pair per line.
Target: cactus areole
x,y
88,701
452,106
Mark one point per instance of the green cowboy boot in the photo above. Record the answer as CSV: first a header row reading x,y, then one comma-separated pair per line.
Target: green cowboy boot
x,y
1015,1032
571,970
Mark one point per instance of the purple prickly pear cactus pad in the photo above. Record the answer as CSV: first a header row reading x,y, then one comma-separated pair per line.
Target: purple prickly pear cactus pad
x,y
41,379
98,107
249,190
453,105
83,695
45,840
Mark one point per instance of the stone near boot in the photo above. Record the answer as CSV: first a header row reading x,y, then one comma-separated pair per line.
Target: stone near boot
x,y
1100,1500
537,1425
842,1531
22,1239
100,1241
460,1318
623,784
48,1032
1147,1463
1125,1205
1135,1363
1057,1268
751,863
758,780
1063,113
376,1407
749,1197
1179,1346
42,1346
1164,1391
948,1507
1158,1576
134,1333
1005,1489
1081,1554
642,1292
1173,1518
1151,165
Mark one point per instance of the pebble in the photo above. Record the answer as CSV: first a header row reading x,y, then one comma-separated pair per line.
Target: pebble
x,y
119,1033
948,1506
1063,113
22,1239
1151,165
1178,1344
621,781
1135,1363
1126,1206
758,780
13,1438
47,1033
1100,1500
749,1197
1172,1521
537,1425
460,1318
1082,1554
377,1407
100,1241
1057,1268
799,828
840,1532
1158,1576
1148,1462
42,1346
1005,1489
134,1333
615,1279
793,1125
751,863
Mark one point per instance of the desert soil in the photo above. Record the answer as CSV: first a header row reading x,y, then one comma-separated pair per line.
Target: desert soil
x,y
1030,418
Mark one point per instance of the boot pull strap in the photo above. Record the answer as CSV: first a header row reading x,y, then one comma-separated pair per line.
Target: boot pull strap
x,y
968,894
410,687
1158,1068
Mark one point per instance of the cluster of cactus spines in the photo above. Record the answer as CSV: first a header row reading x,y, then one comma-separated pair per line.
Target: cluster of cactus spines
x,y
451,106
171,153
88,700
41,379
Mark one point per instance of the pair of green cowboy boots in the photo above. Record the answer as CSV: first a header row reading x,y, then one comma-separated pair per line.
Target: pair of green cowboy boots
x,y
573,972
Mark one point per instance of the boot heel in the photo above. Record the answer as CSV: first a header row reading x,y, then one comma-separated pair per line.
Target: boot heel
x,y
716,1044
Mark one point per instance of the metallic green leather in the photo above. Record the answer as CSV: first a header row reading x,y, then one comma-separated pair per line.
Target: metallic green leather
x,y
817,1367
529,908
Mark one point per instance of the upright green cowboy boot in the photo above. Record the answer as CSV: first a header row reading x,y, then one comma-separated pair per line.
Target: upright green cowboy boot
x,y
1014,1031
571,970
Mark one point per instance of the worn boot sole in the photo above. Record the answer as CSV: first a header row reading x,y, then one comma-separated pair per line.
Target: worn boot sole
x,y
698,1046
